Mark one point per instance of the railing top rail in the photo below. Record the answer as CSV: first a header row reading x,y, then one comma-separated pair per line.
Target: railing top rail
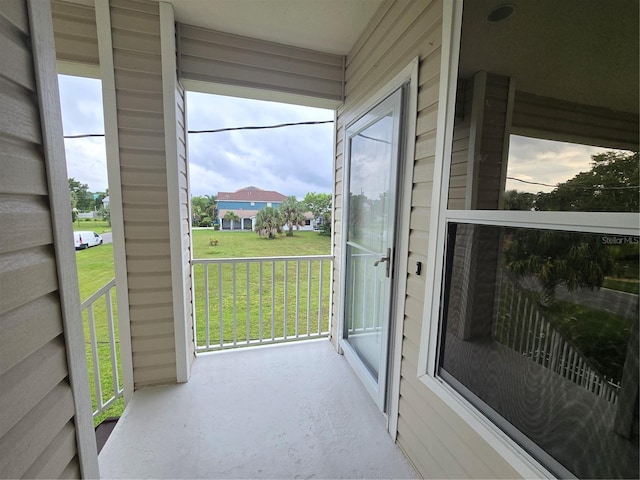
x,y
195,261
104,289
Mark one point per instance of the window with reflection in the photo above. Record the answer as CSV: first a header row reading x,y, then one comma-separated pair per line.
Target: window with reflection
x,y
540,336
539,322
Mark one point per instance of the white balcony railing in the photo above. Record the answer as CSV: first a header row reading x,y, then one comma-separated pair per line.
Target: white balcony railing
x,y
522,327
240,302
102,341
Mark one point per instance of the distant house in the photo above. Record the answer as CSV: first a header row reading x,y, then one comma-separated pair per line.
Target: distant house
x,y
245,203
310,223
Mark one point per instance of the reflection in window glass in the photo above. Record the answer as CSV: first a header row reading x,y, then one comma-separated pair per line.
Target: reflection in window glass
x,y
557,176
369,184
541,333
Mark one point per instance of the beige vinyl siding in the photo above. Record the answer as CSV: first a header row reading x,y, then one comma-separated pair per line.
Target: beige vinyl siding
x,y
460,148
139,98
435,439
480,138
216,57
75,34
37,413
564,121
489,178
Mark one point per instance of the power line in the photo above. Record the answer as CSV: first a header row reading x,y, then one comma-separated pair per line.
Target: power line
x,y
218,130
320,122
85,135
530,183
571,186
263,127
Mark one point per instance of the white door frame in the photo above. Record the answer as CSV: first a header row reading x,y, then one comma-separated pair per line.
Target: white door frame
x,y
409,76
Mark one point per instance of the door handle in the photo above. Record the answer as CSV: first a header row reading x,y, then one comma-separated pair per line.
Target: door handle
x,y
386,259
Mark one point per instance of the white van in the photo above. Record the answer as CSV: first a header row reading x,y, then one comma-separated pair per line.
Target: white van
x,y
86,239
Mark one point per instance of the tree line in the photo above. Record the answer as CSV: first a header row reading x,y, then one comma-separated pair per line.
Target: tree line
x,y
572,259
270,221
83,200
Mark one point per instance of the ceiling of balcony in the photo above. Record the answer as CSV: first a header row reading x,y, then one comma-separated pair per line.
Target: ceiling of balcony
x,y
556,49
330,26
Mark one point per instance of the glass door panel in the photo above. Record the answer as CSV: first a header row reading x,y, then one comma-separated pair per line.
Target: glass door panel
x,y
373,157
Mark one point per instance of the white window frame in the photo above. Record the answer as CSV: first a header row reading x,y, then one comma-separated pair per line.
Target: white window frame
x,y
612,223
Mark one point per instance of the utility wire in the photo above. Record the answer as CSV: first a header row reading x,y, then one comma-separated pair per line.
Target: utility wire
x,y
281,125
218,130
85,135
571,186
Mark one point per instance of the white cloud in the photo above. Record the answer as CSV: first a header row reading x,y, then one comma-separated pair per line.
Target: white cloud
x,y
87,162
293,160
546,161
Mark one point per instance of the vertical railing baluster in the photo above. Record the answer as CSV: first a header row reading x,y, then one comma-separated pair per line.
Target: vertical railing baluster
x,y
220,317
273,300
94,355
547,340
540,338
564,368
297,298
528,326
367,268
511,314
574,364
235,305
375,298
309,298
286,285
248,332
112,343
206,305
320,298
524,333
260,303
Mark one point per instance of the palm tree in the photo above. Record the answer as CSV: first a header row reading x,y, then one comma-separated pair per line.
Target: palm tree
x,y
231,217
212,207
290,210
558,258
268,222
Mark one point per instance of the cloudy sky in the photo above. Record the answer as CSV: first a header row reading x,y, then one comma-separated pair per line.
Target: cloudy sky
x,y
544,161
292,160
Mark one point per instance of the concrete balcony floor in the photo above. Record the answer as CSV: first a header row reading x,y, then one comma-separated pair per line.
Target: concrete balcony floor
x,y
288,411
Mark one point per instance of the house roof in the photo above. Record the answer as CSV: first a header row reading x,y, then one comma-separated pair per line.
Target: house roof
x,y
239,212
252,194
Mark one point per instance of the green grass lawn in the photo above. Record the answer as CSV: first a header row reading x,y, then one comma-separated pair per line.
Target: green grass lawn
x,y
622,285
260,302
93,225
95,269
601,336
234,244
